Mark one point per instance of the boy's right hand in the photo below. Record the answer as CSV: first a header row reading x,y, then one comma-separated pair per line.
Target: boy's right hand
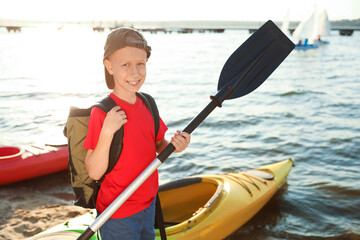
x,y
114,119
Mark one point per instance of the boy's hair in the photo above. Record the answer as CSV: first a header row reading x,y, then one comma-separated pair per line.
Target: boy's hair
x,y
120,38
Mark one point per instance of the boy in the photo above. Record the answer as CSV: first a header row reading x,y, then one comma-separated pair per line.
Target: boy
x,y
125,56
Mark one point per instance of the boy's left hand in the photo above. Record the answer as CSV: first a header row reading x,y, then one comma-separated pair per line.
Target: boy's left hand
x,y
180,140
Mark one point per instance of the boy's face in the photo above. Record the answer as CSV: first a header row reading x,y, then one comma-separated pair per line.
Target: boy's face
x,y
128,66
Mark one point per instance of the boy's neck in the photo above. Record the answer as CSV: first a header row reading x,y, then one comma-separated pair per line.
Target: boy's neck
x,y
128,97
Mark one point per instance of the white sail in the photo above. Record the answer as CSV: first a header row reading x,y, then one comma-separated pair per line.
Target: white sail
x,y
285,23
324,25
307,29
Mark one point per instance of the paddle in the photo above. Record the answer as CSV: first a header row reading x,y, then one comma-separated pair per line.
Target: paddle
x,y
246,69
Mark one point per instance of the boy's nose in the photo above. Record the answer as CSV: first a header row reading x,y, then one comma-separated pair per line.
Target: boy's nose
x,y
134,71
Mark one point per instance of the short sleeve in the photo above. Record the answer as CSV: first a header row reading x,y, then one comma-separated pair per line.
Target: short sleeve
x,y
95,124
162,130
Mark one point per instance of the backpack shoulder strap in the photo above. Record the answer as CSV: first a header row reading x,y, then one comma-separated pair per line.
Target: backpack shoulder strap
x,y
151,105
117,143
106,104
159,218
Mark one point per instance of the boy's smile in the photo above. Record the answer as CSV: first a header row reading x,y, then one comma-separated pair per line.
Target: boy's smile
x,y
128,66
134,83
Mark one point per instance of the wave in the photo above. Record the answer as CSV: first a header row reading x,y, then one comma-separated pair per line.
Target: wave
x,y
26,95
294,236
225,124
334,77
292,93
298,93
16,78
340,140
337,190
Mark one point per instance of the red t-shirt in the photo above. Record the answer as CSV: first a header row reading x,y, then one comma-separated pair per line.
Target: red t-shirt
x,y
138,152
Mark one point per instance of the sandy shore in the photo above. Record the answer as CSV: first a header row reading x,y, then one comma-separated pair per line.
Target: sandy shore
x,y
30,207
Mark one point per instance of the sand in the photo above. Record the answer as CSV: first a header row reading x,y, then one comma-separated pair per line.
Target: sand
x,y
30,207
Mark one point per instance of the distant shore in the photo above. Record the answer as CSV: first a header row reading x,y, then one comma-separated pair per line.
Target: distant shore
x,y
194,24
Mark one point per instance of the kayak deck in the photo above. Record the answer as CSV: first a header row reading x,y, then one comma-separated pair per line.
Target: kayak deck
x,y
30,161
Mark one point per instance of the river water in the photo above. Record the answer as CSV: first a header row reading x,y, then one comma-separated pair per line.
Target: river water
x,y
308,109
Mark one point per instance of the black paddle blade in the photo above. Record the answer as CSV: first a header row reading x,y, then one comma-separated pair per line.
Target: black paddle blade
x,y
253,62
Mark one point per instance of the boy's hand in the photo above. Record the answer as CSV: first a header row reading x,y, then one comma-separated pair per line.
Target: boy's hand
x,y
114,119
180,140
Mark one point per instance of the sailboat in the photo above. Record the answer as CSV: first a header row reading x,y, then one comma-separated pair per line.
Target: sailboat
x,y
308,32
305,33
323,28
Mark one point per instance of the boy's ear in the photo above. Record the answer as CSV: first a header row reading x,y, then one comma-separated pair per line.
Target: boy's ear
x,y
108,66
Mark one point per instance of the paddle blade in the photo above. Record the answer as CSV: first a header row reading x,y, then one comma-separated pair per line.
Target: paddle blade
x,y
254,61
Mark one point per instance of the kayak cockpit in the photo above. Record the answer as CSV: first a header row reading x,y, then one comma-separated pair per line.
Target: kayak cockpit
x,y
9,152
184,198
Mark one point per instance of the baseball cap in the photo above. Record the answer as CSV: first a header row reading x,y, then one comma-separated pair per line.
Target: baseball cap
x,y
120,38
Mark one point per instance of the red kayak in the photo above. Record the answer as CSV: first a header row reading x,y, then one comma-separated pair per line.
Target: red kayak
x,y
26,162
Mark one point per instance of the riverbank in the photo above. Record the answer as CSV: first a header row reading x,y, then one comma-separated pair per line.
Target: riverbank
x,y
30,207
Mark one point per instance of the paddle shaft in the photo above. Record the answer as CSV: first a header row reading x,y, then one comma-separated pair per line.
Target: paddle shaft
x,y
192,125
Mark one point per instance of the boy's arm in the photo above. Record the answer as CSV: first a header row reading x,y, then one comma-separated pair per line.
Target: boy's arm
x,y
97,160
179,140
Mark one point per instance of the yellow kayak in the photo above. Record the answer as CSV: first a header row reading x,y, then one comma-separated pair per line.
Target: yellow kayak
x,y
214,206
202,207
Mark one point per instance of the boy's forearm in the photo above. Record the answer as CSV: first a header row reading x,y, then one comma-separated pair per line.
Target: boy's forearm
x,y
97,160
161,145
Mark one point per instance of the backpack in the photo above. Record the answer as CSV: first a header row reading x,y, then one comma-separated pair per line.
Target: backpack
x,y
84,187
